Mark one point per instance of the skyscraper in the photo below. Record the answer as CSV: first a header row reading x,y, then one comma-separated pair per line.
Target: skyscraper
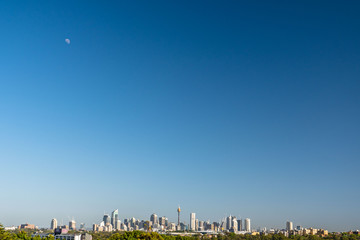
x,y
239,224
247,225
106,219
192,222
234,224
154,218
117,225
289,226
53,224
114,217
228,222
162,221
72,225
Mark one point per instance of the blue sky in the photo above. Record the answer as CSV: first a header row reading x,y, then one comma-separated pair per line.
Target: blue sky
x,y
249,108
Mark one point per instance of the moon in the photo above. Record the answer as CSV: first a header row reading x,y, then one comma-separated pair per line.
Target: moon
x,y
67,40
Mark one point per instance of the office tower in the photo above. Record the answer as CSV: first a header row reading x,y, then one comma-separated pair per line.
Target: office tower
x,y
106,219
154,218
72,225
192,222
117,225
178,211
53,224
133,222
239,225
196,224
247,225
166,222
162,221
234,224
228,222
289,226
201,225
114,217
95,227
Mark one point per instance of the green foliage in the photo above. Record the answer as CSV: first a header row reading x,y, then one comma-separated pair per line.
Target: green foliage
x,y
5,235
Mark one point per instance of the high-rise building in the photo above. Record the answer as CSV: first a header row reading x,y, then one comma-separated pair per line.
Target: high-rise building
x,y
234,224
201,225
247,225
53,224
228,222
117,225
95,227
106,219
192,222
239,225
289,226
72,225
154,218
114,217
162,221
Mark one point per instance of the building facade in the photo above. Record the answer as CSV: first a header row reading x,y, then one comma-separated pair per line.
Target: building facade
x,y
192,222
53,224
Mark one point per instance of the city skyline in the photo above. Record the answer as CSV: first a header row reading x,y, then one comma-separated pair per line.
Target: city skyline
x,y
228,222
249,109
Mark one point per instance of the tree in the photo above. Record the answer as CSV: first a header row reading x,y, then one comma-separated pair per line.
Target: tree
x,y
5,235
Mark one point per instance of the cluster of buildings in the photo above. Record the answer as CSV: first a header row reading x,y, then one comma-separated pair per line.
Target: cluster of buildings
x,y
290,230
65,228
111,222
161,224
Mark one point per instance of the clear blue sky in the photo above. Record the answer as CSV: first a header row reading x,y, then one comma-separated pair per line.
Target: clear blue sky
x,y
249,108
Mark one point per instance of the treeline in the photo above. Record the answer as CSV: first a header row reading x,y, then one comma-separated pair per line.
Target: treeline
x,y
20,235
138,235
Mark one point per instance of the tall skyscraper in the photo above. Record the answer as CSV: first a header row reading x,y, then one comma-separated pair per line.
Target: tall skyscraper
x,y
234,224
117,225
228,222
114,217
192,222
154,218
162,221
53,224
106,219
247,225
289,226
72,225
239,225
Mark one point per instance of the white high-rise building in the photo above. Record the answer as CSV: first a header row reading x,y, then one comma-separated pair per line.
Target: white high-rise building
x,y
234,224
53,224
192,222
154,218
247,225
117,225
114,217
289,226
72,225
